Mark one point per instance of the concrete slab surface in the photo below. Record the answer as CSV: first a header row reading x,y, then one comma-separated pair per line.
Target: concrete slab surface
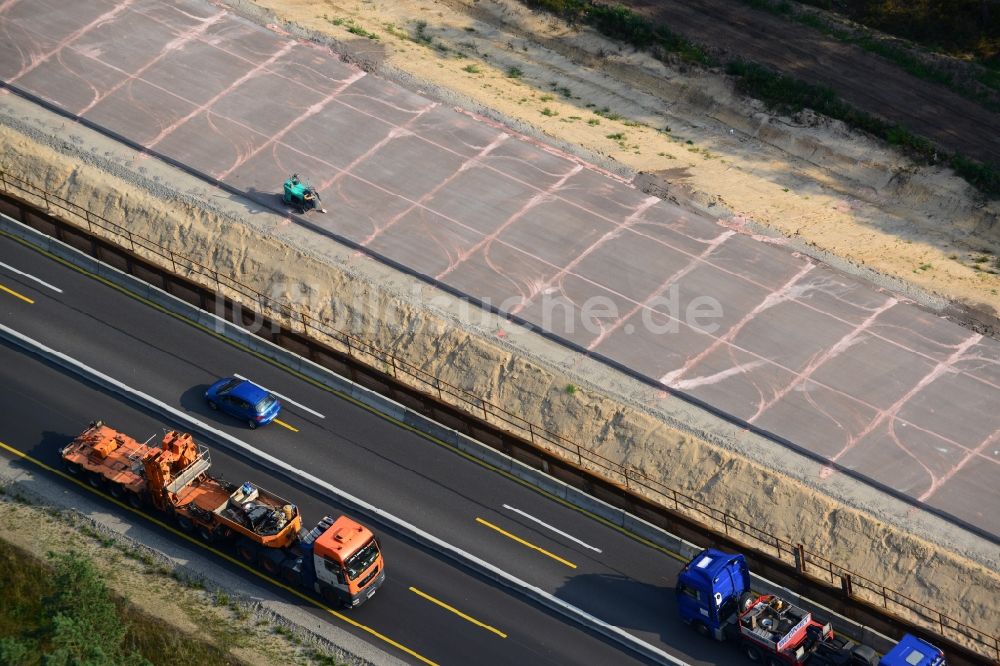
x,y
899,396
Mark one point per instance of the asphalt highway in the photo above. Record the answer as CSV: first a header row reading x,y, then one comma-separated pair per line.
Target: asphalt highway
x,y
538,539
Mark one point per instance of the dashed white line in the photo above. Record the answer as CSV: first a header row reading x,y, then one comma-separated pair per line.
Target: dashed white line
x,y
283,397
32,277
546,525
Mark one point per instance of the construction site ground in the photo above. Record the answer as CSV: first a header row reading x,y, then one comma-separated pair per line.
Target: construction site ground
x,y
803,182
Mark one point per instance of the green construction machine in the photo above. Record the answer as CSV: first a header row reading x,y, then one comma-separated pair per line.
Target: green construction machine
x,y
301,195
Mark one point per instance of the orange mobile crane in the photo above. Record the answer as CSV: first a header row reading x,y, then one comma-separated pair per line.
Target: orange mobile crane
x,y
338,559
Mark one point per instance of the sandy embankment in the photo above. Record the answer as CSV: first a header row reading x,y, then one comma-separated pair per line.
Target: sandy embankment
x,y
830,192
621,420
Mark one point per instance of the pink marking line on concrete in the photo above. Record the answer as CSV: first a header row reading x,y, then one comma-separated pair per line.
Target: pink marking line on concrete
x,y
890,412
840,346
167,131
96,23
648,203
465,166
739,369
534,201
739,276
7,4
677,275
769,301
310,112
175,44
969,455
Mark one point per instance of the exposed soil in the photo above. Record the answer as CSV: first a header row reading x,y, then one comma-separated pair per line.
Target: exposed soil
x,y
838,194
864,80
629,423
681,132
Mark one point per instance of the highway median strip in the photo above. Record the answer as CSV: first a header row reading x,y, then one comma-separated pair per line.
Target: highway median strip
x,y
457,612
526,543
457,555
17,295
218,553
285,425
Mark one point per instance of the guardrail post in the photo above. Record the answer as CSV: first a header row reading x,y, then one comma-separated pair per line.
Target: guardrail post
x,y
154,253
800,558
846,585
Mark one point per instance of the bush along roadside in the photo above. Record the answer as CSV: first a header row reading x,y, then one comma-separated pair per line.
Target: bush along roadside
x,y
621,23
779,92
986,75
790,95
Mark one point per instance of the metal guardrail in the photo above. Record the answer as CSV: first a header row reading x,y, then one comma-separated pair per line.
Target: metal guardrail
x,y
809,563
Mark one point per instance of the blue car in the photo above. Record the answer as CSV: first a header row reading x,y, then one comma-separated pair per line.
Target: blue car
x,y
244,400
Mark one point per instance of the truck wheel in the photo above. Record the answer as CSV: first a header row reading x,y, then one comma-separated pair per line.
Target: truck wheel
x,y
134,500
116,491
205,534
773,661
752,652
291,576
247,552
331,596
72,468
185,523
252,424
95,480
214,407
701,628
269,566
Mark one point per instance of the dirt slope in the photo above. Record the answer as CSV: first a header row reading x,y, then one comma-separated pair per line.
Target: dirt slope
x,y
864,80
683,133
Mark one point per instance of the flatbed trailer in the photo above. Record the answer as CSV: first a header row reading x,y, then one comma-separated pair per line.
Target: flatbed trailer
x,y
339,559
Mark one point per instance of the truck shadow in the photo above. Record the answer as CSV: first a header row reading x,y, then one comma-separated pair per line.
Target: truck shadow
x,y
641,608
637,605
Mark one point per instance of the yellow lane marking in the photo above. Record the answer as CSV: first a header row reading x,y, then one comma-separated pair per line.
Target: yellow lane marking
x,y
458,612
285,425
525,543
344,396
219,553
17,295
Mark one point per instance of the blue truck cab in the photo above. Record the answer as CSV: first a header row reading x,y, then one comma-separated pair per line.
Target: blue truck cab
x,y
710,590
912,651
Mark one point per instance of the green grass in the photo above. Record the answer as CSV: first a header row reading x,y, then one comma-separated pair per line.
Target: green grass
x,y
549,112
514,73
472,69
781,93
420,35
790,95
961,28
623,24
901,56
607,113
27,589
361,32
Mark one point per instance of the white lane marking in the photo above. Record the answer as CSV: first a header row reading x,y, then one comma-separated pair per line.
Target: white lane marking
x,y
32,277
357,504
283,397
557,531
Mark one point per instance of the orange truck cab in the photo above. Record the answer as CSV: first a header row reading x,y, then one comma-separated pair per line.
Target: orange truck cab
x,y
343,561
